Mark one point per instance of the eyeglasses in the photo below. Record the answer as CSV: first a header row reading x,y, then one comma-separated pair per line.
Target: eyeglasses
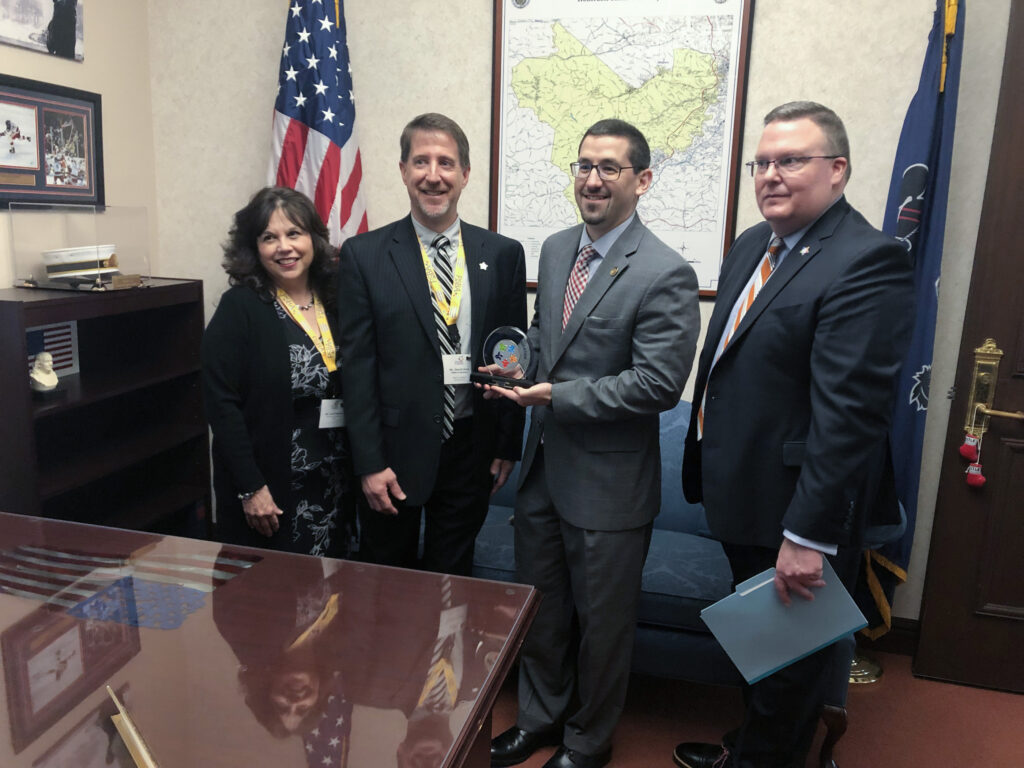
x,y
785,165
605,171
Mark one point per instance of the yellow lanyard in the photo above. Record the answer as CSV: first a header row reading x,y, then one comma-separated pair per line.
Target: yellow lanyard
x,y
323,341
449,310
317,627
442,668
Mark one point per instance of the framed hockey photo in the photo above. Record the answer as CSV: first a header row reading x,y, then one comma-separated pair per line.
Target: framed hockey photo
x,y
51,144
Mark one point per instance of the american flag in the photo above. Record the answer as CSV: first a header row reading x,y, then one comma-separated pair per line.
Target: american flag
x,y
68,577
60,340
327,745
315,148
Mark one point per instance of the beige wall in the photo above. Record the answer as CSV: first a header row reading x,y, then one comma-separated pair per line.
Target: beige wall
x,y
213,143
116,66
187,120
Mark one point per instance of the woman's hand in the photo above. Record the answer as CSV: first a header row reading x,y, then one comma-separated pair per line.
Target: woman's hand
x,y
261,512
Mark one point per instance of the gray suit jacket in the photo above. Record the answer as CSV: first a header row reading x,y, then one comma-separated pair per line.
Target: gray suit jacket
x,y
623,358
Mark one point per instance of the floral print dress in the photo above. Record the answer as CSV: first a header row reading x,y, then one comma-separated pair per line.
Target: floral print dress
x,y
323,522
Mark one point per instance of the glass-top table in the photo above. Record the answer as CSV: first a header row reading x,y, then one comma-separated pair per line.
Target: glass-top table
x,y
228,656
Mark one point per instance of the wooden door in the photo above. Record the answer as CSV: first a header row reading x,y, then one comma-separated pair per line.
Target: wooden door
x,y
972,619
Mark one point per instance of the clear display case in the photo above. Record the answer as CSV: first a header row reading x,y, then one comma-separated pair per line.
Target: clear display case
x,y
79,247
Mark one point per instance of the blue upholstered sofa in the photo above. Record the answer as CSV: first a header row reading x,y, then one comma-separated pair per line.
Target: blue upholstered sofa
x,y
685,572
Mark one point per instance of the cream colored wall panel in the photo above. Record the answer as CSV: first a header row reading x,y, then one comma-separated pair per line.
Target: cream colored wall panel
x,y
116,66
213,98
437,58
861,59
214,80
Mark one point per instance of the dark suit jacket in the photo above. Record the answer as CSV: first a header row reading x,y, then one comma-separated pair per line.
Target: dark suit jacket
x,y
623,358
391,357
391,625
798,407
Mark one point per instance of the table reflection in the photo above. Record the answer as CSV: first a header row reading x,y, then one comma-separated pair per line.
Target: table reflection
x,y
330,663
333,641
290,654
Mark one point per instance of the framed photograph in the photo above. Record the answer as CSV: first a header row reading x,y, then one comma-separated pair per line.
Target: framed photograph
x,y
677,71
51,144
52,661
47,26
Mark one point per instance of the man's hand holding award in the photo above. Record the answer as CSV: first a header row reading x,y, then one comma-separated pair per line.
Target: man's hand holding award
x,y
507,360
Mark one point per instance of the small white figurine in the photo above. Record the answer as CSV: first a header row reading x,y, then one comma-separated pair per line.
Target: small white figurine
x,y
42,377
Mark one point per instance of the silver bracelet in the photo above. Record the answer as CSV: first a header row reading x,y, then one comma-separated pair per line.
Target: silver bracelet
x,y
246,496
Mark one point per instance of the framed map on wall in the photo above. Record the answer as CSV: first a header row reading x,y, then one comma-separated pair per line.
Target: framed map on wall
x,y
674,70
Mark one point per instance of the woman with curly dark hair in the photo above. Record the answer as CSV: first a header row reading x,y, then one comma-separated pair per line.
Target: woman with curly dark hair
x,y
271,384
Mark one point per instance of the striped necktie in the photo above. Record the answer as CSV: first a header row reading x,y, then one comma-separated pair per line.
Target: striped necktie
x,y
441,688
443,269
753,287
577,281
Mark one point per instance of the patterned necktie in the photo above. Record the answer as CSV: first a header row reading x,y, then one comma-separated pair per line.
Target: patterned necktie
x,y
577,281
439,690
754,285
443,269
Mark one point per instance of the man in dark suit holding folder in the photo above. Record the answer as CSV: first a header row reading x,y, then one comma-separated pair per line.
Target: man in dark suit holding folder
x,y
788,442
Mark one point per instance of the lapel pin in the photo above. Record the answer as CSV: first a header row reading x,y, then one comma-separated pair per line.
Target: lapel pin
x,y
614,271
483,265
805,250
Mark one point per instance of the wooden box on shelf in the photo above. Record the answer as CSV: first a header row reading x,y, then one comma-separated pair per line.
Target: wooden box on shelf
x,y
123,442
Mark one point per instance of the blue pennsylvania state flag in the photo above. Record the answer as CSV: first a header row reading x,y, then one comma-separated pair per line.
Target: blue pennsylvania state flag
x,y
916,215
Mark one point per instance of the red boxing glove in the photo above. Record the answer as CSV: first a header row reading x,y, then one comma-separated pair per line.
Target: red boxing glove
x,y
971,447
974,477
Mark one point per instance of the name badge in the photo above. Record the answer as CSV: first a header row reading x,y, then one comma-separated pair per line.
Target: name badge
x,y
456,369
452,620
332,413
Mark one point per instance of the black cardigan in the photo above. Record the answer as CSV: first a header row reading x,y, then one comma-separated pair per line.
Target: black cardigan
x,y
247,397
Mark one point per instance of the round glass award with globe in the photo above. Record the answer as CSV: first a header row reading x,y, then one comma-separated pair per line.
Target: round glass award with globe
x,y
508,359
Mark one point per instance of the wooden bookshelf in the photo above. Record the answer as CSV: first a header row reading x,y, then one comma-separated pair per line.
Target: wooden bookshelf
x,y
124,441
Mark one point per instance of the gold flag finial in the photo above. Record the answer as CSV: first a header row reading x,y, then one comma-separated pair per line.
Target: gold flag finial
x,y
950,30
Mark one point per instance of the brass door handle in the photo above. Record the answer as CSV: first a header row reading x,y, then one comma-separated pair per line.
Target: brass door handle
x,y
1018,415
983,390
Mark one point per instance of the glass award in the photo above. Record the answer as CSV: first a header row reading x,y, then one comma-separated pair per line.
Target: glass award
x,y
508,359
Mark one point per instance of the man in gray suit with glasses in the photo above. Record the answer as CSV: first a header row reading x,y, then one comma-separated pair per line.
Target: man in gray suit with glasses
x,y
615,330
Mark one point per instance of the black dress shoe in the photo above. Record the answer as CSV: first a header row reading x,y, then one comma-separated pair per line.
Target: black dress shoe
x,y
694,754
515,745
570,758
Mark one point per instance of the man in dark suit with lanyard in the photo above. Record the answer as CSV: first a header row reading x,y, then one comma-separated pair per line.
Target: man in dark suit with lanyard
x,y
615,329
416,298
788,442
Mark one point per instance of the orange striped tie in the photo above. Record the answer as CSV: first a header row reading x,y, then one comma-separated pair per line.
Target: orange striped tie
x,y
756,283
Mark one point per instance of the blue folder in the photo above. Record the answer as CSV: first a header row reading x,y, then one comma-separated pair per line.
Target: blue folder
x,y
762,635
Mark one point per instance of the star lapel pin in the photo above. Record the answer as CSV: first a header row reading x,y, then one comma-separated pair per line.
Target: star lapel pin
x,y
805,250
483,265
